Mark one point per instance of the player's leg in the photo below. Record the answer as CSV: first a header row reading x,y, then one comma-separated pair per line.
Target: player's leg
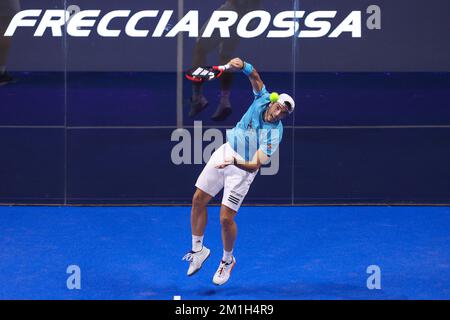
x,y
208,184
229,231
226,53
199,217
237,182
229,235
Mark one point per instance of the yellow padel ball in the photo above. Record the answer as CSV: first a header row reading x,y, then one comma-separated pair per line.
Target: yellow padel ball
x,y
273,97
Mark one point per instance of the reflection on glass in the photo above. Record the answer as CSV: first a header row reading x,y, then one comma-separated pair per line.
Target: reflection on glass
x,y
8,8
226,48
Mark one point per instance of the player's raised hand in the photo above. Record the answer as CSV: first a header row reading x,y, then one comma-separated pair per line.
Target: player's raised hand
x,y
236,63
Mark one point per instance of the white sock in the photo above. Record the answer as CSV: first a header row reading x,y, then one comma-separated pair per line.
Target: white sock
x,y
197,243
227,256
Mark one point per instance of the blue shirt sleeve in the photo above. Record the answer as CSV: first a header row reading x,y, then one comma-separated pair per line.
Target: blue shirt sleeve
x,y
261,93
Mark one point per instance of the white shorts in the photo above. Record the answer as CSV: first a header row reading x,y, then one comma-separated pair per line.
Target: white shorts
x,y
235,182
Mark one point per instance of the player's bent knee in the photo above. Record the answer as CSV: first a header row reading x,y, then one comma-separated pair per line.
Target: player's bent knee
x,y
226,221
200,199
197,201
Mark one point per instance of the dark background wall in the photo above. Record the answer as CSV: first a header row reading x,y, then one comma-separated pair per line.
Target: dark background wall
x,y
363,132
413,37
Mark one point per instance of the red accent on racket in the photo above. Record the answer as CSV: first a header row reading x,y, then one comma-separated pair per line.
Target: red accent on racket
x,y
202,74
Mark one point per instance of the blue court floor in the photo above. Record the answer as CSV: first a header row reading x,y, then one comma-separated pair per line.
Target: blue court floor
x,y
282,253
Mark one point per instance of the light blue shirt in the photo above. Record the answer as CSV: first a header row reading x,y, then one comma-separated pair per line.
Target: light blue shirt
x,y
252,132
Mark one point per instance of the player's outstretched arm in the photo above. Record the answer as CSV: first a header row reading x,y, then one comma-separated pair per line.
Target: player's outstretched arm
x,y
258,160
250,71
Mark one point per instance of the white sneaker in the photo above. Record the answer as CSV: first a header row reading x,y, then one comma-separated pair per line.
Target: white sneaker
x,y
223,273
196,260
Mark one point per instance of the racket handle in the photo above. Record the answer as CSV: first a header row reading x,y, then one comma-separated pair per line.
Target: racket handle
x,y
223,68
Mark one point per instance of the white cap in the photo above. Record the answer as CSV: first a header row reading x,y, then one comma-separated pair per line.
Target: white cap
x,y
287,101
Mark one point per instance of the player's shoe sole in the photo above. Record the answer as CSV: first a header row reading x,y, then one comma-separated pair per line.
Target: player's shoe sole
x,y
220,280
196,260
198,269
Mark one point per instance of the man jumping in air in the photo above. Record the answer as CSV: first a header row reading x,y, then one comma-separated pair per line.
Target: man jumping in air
x,y
233,167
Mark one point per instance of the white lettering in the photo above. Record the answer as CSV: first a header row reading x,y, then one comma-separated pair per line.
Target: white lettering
x,y
223,25
106,20
264,21
56,25
285,24
19,21
323,26
130,29
351,24
162,24
75,25
280,21
189,23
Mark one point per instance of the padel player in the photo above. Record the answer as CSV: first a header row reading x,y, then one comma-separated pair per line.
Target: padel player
x,y
233,167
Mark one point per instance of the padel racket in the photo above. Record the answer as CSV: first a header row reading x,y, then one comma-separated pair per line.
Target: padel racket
x,y
202,74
